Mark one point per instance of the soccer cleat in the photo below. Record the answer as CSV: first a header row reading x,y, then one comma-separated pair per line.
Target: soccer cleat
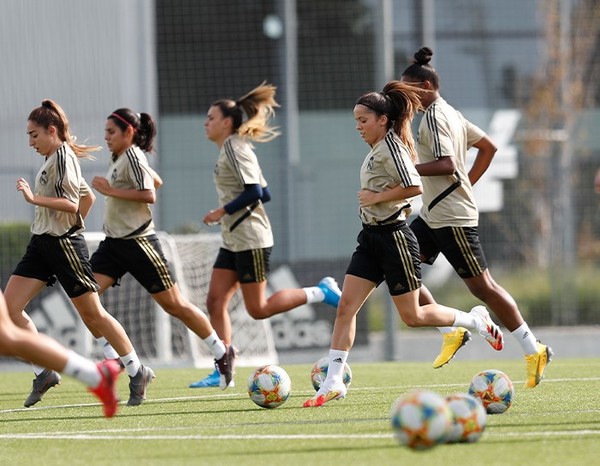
x,y
325,395
487,328
41,384
332,291
451,343
536,364
211,380
138,384
106,391
225,367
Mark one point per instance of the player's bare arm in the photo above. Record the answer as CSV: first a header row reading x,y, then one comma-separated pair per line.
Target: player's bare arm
x,y
57,203
101,184
439,167
486,150
397,193
85,204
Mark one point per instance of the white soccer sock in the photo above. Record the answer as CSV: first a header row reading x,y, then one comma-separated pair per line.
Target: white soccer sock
x,y
526,339
37,370
215,344
337,362
465,319
83,369
444,330
107,349
132,363
314,294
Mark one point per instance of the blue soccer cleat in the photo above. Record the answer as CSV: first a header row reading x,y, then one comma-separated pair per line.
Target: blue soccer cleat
x,y
332,291
211,380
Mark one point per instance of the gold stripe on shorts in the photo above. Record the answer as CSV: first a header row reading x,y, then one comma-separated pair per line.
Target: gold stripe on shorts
x,y
259,265
467,253
407,260
75,262
159,265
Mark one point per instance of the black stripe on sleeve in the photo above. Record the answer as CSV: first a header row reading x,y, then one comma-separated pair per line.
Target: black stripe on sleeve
x,y
396,153
138,171
230,153
435,132
61,168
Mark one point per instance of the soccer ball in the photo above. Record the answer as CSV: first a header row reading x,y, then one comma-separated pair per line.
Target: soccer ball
x,y
468,418
269,386
318,373
421,419
494,389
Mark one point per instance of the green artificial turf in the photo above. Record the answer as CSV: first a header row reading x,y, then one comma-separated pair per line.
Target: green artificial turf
x,y
557,423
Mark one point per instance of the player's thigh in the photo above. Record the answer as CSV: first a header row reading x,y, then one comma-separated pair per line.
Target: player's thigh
x,y
254,294
223,285
20,291
355,292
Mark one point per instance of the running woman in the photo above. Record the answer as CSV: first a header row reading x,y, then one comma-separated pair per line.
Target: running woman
x,y
57,249
131,244
449,217
100,378
387,249
243,261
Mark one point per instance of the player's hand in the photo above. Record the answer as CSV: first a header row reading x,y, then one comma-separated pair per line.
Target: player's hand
x,y
23,186
366,198
597,182
100,184
214,216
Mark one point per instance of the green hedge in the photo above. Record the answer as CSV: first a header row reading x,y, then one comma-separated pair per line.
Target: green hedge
x,y
533,290
14,238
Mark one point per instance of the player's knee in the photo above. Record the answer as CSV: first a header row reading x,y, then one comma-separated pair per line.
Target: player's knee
x,y
257,312
215,304
413,319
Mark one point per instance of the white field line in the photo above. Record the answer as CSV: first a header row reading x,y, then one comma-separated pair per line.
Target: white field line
x,y
116,436
303,393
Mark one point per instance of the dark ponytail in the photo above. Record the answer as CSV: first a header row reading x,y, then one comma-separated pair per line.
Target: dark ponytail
x,y
144,127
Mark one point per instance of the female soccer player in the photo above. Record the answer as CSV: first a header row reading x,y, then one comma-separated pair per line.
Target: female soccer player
x,y
131,244
57,250
387,249
448,219
101,378
243,261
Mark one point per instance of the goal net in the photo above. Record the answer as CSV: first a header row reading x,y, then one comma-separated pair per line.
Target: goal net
x,y
164,340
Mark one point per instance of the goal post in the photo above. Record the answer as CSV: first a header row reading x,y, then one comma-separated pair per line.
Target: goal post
x,y
161,339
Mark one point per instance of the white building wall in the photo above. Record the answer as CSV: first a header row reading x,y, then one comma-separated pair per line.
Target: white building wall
x,y
89,56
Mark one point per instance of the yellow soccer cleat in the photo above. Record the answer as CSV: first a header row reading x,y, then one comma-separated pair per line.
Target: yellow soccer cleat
x,y
536,364
451,343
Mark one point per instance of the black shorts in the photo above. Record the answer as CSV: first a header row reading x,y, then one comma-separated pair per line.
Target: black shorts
x,y
63,257
252,266
142,257
460,245
390,253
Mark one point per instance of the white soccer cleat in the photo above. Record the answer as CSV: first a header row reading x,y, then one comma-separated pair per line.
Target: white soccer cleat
x,y
487,328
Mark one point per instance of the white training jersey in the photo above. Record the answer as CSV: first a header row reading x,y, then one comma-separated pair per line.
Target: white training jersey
x,y
123,218
59,176
447,200
237,165
387,165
